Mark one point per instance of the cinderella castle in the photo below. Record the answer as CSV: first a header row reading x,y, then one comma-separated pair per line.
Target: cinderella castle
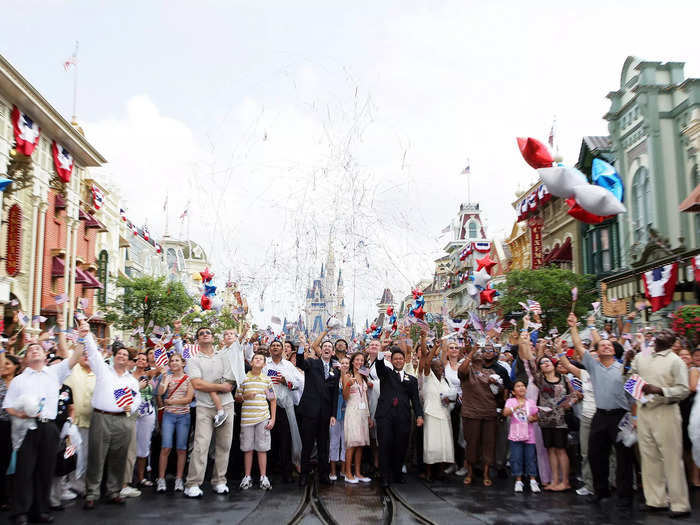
x,y
325,297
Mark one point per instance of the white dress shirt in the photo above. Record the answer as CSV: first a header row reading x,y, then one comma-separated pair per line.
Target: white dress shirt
x,y
108,382
44,383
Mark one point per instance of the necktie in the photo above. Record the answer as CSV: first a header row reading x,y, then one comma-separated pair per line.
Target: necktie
x,y
325,370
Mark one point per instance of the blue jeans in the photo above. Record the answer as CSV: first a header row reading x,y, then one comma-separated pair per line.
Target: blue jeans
x,y
178,424
523,453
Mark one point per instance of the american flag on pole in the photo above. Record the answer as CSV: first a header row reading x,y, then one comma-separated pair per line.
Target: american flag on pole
x,y
161,357
467,170
73,60
534,306
634,386
123,397
190,350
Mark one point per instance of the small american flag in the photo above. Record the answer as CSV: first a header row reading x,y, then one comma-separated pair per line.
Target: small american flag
x,y
161,357
190,350
534,306
123,397
70,450
634,386
576,384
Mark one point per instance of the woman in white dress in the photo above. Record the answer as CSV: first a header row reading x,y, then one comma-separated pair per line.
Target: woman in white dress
x,y
437,428
451,359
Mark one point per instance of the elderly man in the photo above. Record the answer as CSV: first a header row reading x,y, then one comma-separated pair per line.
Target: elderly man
x,y
210,371
659,426
36,456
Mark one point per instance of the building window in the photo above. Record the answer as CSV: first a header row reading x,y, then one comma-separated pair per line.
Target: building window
x,y
472,230
641,205
602,249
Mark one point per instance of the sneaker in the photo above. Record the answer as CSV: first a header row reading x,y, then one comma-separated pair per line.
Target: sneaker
x,y
145,483
265,483
68,495
519,486
160,485
534,487
179,485
194,492
220,419
461,472
583,491
451,469
332,477
246,483
129,492
221,488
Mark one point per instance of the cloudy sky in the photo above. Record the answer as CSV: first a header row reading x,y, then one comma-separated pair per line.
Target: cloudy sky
x,y
276,122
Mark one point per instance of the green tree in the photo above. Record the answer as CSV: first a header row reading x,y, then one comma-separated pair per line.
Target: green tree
x,y
147,299
551,287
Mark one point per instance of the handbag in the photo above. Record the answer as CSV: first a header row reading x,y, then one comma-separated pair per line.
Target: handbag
x,y
161,410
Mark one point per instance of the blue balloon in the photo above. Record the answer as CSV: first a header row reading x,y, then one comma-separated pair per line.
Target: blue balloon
x,y
605,175
4,183
209,290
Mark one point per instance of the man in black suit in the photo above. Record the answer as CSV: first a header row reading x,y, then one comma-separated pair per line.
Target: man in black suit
x,y
317,407
393,415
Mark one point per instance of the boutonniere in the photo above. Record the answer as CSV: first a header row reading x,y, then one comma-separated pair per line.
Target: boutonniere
x,y
407,378
330,373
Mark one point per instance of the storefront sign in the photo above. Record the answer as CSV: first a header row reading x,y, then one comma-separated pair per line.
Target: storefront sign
x,y
14,240
535,224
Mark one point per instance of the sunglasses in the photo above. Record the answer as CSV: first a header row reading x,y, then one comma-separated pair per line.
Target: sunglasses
x,y
205,332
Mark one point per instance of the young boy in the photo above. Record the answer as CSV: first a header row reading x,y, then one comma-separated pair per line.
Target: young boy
x,y
256,421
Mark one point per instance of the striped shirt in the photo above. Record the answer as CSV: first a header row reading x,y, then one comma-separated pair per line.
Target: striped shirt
x,y
255,410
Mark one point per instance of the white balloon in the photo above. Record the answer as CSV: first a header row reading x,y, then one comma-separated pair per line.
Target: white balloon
x,y
471,290
561,180
598,200
481,278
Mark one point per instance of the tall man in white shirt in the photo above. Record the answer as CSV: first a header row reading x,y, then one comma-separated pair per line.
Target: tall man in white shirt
x,y
115,399
36,457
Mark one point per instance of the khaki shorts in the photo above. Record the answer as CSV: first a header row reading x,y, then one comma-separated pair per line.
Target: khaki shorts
x,y
255,437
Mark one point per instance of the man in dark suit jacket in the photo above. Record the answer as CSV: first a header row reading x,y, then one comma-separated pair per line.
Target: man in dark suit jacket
x,y
399,391
317,407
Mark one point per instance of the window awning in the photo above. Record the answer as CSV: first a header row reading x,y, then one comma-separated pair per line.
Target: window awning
x,y
563,254
94,283
81,277
82,215
91,222
58,267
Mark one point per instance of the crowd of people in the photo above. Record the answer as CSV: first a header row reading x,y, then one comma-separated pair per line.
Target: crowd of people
x,y
606,408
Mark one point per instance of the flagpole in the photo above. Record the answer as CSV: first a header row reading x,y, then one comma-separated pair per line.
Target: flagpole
x,y
75,82
165,210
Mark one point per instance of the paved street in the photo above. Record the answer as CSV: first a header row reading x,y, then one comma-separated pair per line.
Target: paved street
x,y
441,502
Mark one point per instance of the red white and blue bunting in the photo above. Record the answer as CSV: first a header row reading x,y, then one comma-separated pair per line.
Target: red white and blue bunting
x,y
536,198
26,131
98,198
62,161
482,246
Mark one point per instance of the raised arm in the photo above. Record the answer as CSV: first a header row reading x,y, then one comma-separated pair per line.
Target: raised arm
x,y
463,369
62,345
579,350
595,335
316,345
